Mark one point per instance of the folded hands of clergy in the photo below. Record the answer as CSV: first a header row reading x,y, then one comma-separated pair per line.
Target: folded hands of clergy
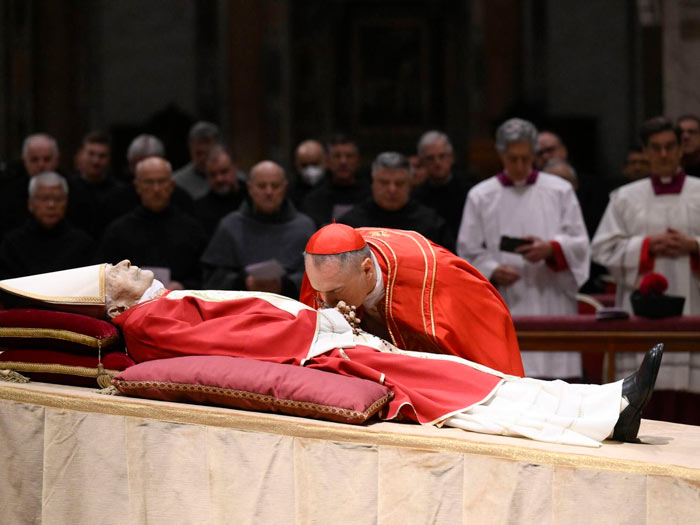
x,y
672,243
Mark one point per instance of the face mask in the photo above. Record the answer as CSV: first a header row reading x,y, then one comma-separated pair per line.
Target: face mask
x,y
311,174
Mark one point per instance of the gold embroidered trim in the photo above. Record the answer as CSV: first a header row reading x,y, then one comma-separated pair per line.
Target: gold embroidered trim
x,y
391,278
53,368
349,414
379,434
64,335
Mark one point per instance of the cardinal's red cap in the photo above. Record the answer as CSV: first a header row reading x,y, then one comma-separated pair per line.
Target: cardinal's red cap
x,y
334,239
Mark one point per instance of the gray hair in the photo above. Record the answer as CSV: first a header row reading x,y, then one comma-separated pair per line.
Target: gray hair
x,y
553,163
345,259
391,160
145,146
431,137
48,178
203,131
44,136
513,131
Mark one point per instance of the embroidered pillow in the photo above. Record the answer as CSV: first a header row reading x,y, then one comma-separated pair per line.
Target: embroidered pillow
x,y
255,385
51,366
52,330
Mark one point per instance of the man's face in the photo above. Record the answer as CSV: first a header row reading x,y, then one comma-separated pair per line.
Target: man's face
x,y
391,188
438,160
40,157
94,160
343,160
48,205
125,284
221,175
517,160
664,153
334,282
198,153
418,172
549,147
690,136
267,188
154,185
636,166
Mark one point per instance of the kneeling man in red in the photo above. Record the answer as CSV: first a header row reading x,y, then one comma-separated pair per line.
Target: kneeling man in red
x,y
428,388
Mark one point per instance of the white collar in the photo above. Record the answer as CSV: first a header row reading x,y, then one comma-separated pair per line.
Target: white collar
x,y
153,291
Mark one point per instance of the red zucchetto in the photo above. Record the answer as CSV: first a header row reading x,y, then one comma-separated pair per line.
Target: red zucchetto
x,y
334,239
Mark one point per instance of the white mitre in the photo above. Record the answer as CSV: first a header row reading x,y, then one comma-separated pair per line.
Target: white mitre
x,y
80,290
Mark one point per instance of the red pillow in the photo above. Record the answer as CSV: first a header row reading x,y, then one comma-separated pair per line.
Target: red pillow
x,y
51,366
255,385
48,329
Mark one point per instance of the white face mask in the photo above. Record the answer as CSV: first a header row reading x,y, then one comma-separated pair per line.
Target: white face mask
x,y
311,174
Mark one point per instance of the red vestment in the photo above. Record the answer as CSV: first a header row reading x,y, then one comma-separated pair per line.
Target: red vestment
x,y
426,390
437,302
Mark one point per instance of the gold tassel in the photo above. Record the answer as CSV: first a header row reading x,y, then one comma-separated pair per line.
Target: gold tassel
x,y
13,377
103,378
111,390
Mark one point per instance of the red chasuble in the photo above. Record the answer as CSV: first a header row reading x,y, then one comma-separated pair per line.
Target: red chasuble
x,y
255,328
437,302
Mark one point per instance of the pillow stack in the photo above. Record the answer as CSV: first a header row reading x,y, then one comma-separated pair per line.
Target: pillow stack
x,y
61,347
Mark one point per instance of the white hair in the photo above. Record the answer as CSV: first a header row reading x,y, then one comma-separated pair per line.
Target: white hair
x,y
513,131
431,137
48,178
35,136
145,146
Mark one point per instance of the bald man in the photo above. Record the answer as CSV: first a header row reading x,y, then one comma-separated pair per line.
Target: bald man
x,y
155,233
310,164
259,246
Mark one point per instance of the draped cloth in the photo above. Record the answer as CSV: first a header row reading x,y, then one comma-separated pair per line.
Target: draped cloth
x,y
428,388
437,302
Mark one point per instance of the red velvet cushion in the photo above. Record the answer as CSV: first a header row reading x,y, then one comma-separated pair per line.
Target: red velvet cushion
x,y
51,366
255,385
47,329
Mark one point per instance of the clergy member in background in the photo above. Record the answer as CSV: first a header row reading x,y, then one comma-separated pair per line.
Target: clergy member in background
x,y
156,233
259,246
391,204
310,165
444,190
39,154
653,224
540,272
343,186
127,198
46,242
412,292
225,192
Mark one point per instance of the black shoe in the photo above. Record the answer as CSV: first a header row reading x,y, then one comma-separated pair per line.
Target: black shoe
x,y
637,389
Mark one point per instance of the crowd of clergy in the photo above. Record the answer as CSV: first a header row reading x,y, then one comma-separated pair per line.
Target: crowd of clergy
x,y
210,225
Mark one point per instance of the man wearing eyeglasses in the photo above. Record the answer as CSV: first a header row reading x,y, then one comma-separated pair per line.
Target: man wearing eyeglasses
x,y
653,225
45,242
157,234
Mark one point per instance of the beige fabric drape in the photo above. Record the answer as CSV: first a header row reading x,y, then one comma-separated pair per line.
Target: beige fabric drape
x,y
71,456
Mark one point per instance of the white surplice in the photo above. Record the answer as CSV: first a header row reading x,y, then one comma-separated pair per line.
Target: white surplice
x,y
547,209
634,213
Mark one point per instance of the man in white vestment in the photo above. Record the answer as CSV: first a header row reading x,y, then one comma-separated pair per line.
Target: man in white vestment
x,y
542,276
653,224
